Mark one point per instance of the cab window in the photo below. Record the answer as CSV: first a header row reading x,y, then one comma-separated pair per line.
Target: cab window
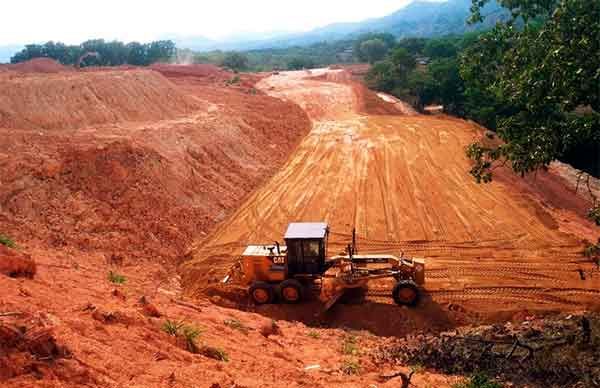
x,y
310,247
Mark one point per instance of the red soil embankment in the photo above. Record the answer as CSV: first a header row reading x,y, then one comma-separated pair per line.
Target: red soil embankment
x,y
37,65
75,100
134,166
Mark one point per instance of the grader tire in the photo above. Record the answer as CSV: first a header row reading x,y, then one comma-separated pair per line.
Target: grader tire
x,y
291,291
261,293
406,293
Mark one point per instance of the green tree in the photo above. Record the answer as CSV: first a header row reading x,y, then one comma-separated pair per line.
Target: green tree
x,y
373,50
235,61
388,40
422,87
546,75
448,84
381,76
413,45
403,62
160,51
136,54
543,74
299,63
440,48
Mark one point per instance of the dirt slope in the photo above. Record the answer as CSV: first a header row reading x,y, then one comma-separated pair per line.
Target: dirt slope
x,y
403,182
75,100
148,166
130,197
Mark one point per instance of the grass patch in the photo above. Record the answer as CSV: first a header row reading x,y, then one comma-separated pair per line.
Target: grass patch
x,y
350,346
7,241
417,368
186,333
214,353
189,335
592,251
478,380
313,334
172,327
236,325
594,214
116,278
350,367
233,81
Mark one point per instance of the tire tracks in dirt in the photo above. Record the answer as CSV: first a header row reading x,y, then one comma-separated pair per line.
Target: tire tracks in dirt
x,y
403,183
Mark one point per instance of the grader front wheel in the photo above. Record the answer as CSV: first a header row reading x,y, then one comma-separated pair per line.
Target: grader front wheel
x,y
406,293
261,293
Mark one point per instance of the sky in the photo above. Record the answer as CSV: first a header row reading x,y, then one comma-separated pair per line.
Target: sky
x,y
71,22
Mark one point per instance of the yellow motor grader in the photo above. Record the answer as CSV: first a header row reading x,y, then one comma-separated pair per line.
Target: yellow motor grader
x,y
287,272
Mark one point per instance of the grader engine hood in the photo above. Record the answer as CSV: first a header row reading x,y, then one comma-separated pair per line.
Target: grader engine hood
x,y
263,263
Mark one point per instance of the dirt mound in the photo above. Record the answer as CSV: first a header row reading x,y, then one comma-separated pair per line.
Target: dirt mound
x,y
373,103
16,264
37,65
74,100
199,70
367,101
206,74
358,70
402,181
142,190
28,350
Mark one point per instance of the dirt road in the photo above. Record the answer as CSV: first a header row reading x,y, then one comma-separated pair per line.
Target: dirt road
x,y
402,181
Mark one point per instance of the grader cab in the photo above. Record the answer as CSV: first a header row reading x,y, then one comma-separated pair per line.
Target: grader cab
x,y
287,272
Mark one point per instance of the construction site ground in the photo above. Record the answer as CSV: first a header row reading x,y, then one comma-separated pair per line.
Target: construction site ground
x,y
402,181
162,175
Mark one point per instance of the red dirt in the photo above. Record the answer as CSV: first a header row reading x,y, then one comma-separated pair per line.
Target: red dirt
x,y
93,187
16,264
76,100
37,65
402,181
124,190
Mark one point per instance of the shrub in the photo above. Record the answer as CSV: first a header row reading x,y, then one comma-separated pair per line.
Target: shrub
x,y
116,278
7,241
236,325
478,380
188,334
350,367
350,346
172,327
314,334
214,353
233,81
594,214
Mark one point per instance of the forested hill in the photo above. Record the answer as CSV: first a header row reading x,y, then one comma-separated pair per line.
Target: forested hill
x,y
418,19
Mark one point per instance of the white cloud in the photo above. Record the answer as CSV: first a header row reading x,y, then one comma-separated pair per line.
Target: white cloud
x,y
24,21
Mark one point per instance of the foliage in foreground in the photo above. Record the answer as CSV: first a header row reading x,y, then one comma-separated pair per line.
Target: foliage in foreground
x,y
551,353
478,380
186,333
116,278
7,241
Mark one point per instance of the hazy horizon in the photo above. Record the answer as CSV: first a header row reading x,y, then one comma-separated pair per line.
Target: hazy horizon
x,y
66,22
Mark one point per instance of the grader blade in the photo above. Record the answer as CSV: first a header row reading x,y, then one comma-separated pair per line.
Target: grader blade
x,y
329,304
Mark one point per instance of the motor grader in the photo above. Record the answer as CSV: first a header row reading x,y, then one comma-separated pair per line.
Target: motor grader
x,y
287,272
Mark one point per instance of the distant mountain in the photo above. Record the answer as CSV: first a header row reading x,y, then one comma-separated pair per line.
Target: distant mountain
x,y
420,18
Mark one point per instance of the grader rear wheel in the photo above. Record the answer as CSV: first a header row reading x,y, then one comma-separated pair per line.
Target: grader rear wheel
x,y
291,291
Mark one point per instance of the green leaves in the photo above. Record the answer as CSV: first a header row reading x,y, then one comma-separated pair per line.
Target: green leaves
x,y
535,79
